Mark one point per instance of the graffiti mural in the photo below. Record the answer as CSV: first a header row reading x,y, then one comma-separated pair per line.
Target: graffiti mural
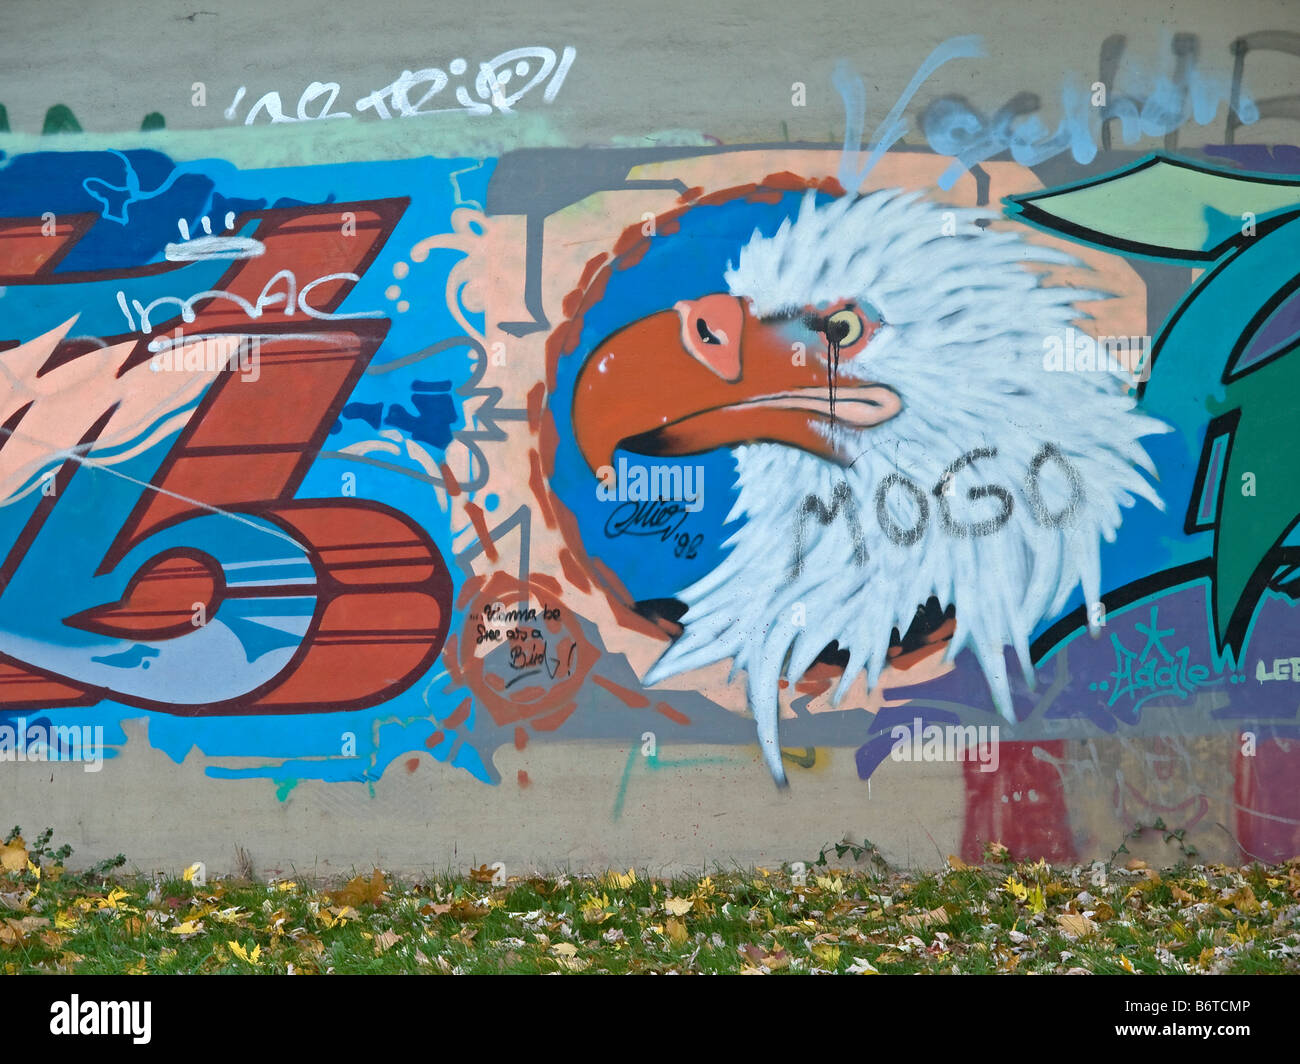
x,y
731,458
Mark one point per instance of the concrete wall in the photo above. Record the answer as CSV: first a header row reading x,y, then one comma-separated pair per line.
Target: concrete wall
x,y
550,461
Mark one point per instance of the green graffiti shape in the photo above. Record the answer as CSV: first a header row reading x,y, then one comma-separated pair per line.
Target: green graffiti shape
x,y
1248,226
60,119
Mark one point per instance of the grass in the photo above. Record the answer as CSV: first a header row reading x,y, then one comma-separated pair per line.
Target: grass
x,y
1001,917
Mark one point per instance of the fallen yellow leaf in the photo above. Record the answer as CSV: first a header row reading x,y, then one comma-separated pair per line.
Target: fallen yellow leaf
x,y
620,882
827,956
14,855
1076,924
595,910
1017,889
115,896
247,956
1244,900
930,918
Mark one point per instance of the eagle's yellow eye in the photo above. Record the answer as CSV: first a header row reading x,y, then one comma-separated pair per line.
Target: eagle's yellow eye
x,y
844,328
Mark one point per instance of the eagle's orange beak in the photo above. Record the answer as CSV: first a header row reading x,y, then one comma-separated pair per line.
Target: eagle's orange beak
x,y
709,374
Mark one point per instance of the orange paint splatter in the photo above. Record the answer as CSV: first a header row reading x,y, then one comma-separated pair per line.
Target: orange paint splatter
x,y
628,239
412,763
934,642
573,571
553,720
522,778
818,679
589,271
628,698
531,693
725,195
435,740
459,716
548,582
666,710
548,437
472,587
571,656
521,738
534,404
537,482
475,514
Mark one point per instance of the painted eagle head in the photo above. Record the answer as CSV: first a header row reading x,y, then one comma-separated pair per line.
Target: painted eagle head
x,y
877,368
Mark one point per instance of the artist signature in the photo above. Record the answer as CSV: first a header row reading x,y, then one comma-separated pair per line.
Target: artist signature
x,y
653,518
661,519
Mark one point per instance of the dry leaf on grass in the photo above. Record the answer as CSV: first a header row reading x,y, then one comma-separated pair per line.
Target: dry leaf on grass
x,y
826,955
465,909
1076,924
362,891
930,918
676,931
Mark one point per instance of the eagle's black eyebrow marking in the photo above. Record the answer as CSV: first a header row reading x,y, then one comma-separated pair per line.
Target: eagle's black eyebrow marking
x,y
819,323
822,323
791,314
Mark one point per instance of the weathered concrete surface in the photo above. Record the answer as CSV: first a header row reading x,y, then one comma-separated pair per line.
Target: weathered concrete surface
x,y
430,816
724,68
646,75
